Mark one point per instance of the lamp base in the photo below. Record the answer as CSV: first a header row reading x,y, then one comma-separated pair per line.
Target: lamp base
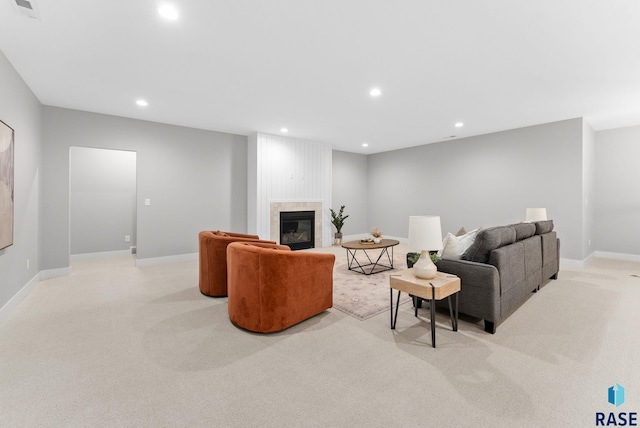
x,y
425,268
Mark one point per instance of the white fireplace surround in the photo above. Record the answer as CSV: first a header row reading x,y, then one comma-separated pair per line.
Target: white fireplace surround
x,y
286,174
278,207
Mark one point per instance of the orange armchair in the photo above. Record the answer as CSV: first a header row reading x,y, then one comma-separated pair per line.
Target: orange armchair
x,y
213,259
272,288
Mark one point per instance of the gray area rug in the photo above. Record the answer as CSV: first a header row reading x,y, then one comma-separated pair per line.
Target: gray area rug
x,y
364,296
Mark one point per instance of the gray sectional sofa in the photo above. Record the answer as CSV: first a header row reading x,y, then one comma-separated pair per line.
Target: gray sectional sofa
x,y
503,267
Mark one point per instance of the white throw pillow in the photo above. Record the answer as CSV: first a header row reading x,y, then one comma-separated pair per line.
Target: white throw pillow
x,y
454,246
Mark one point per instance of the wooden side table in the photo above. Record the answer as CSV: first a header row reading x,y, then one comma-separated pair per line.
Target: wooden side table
x,y
443,285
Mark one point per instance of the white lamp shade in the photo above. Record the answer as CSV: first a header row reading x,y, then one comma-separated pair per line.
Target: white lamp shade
x,y
536,214
425,233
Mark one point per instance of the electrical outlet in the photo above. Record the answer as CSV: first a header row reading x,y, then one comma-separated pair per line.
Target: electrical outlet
x,y
147,201
127,238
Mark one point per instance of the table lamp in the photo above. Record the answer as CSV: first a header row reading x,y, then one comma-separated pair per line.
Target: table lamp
x,y
425,234
536,214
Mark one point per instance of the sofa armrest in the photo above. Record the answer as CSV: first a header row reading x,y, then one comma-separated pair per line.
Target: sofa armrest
x,y
265,244
479,287
241,235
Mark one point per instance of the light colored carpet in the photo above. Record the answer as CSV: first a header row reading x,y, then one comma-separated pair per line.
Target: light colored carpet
x,y
117,345
364,296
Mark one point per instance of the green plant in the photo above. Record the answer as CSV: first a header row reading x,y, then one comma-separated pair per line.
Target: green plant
x,y
337,219
413,257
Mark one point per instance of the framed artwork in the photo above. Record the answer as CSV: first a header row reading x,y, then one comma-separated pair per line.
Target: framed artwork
x,y
6,185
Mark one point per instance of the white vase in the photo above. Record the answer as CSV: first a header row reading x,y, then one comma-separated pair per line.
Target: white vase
x,y
376,240
424,267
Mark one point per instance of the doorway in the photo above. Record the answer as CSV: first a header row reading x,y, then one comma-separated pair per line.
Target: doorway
x,y
102,202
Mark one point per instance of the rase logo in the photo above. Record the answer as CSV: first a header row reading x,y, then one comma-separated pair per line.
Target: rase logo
x,y
615,396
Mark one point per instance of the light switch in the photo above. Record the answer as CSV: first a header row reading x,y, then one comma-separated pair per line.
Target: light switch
x,y
147,201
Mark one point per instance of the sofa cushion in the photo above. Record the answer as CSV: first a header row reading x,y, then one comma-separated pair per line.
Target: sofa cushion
x,y
544,226
524,230
532,261
453,246
550,255
488,240
510,262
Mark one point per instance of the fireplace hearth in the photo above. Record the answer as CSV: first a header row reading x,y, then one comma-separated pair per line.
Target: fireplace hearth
x,y
297,229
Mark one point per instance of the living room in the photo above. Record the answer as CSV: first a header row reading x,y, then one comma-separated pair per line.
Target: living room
x,y
199,179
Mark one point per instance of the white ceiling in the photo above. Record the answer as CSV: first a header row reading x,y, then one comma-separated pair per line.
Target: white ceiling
x,y
243,66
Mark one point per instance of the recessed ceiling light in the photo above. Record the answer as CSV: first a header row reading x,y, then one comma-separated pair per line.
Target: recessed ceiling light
x,y
365,144
142,103
285,130
375,92
168,12
459,125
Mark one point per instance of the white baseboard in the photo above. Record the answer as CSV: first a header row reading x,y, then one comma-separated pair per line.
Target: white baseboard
x,y
102,255
572,263
168,259
54,273
599,254
618,256
13,303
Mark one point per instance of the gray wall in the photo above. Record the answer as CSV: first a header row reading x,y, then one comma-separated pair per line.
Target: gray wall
x,y
485,181
195,179
350,188
102,186
588,189
617,189
21,110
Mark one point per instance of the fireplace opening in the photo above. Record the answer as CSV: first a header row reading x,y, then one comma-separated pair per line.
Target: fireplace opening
x,y
297,229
